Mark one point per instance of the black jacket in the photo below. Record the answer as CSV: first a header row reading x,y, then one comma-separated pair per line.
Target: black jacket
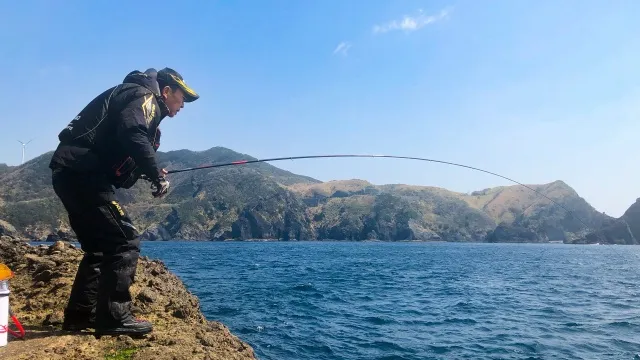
x,y
117,133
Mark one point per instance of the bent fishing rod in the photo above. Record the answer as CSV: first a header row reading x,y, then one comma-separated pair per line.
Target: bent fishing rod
x,y
244,162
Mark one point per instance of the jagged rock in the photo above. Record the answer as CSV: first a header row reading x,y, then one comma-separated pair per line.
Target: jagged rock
x,y
624,230
44,275
58,246
53,319
65,235
7,229
59,236
52,238
156,233
146,296
511,233
40,290
421,233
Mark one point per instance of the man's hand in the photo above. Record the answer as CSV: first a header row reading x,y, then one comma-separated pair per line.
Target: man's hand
x,y
146,178
161,186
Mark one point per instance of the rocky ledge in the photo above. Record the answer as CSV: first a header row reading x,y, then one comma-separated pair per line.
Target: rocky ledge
x,y
41,286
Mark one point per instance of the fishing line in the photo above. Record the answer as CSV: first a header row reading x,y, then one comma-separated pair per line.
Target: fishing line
x,y
244,162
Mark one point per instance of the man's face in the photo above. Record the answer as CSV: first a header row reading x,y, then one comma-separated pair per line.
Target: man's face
x,y
173,99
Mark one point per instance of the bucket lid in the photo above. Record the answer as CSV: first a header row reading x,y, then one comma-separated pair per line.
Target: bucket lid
x,y
5,272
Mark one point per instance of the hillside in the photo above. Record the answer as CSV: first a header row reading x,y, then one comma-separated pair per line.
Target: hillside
x,y
261,201
523,217
358,210
5,168
623,230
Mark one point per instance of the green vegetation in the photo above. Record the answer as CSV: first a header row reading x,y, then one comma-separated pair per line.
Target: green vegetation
x,y
624,230
5,168
121,354
261,201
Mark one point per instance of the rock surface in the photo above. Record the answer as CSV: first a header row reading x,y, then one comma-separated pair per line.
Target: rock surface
x,y
7,229
40,289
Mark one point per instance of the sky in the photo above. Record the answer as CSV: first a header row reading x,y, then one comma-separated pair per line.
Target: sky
x,y
536,91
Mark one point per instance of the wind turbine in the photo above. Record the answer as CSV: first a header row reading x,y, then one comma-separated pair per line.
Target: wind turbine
x,y
23,146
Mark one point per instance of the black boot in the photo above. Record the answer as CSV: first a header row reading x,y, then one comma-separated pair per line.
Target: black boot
x,y
132,327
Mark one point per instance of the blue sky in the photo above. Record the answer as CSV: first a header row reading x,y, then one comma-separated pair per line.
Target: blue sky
x,y
534,90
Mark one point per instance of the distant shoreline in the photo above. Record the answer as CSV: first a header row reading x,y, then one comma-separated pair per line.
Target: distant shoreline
x,y
340,241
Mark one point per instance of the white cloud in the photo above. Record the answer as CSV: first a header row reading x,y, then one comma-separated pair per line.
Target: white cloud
x,y
411,23
342,48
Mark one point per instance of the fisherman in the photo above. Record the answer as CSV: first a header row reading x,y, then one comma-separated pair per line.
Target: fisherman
x,y
111,144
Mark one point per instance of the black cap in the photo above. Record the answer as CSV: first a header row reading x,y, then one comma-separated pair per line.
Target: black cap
x,y
168,76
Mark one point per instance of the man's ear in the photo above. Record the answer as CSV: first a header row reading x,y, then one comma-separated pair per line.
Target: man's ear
x,y
165,91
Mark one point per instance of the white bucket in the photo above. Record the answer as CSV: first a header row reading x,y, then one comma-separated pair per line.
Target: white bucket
x,y
4,311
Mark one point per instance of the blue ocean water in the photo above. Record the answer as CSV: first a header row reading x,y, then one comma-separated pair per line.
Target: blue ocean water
x,y
378,300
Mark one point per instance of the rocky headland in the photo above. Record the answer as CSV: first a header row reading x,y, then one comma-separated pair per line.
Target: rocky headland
x,y
41,286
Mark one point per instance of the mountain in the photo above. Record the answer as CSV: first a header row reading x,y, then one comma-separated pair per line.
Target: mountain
x,y
5,168
261,201
196,199
525,216
356,210
623,230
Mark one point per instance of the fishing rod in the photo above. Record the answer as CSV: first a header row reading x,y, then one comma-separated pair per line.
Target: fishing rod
x,y
244,162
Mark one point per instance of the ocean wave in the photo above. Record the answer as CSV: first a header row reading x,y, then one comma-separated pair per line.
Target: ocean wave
x,y
362,301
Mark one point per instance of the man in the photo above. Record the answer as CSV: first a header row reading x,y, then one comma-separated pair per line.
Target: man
x,y
110,144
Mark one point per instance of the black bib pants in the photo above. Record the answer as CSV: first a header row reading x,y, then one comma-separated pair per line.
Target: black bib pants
x,y
111,244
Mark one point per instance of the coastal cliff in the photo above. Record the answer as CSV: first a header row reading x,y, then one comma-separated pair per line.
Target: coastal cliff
x,y
261,201
39,291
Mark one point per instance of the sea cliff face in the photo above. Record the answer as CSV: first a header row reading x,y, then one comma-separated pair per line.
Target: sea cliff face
x,y
624,230
40,289
261,201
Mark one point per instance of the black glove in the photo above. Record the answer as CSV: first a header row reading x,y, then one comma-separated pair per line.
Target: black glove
x,y
146,178
160,186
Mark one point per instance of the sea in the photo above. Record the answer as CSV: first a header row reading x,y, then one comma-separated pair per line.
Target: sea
x,y
416,300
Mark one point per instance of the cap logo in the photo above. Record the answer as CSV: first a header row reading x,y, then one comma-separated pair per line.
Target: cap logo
x,y
183,85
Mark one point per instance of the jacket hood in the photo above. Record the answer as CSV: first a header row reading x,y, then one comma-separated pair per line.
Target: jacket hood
x,y
149,80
